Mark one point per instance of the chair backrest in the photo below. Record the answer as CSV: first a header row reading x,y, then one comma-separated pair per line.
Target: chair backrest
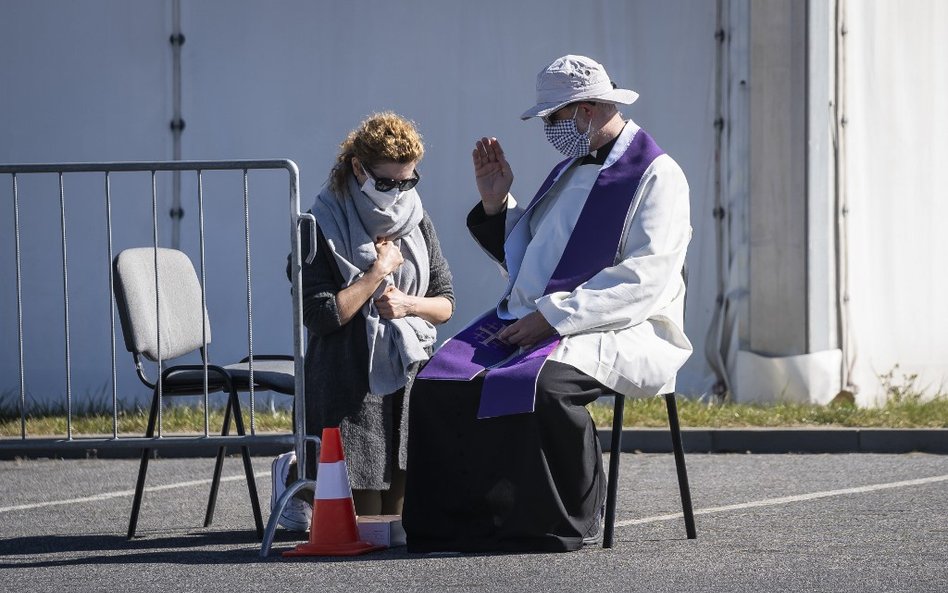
x,y
179,295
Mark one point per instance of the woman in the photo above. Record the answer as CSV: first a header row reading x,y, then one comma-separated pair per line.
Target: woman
x,y
371,298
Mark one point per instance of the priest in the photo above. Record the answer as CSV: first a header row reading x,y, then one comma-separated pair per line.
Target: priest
x,y
503,455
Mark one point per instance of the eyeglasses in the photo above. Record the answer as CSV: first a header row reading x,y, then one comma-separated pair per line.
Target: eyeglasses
x,y
384,184
548,118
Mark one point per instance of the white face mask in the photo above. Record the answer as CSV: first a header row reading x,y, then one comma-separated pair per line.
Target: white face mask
x,y
383,200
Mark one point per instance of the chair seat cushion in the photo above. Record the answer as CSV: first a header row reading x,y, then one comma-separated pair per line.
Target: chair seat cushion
x,y
271,375
275,375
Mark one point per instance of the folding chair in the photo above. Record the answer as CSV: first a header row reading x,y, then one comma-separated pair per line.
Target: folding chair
x,y
181,332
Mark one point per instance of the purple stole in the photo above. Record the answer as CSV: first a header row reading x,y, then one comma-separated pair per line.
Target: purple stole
x,y
510,383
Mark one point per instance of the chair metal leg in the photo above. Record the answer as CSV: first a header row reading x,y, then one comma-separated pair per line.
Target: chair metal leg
x,y
142,470
248,469
615,451
675,429
139,490
218,467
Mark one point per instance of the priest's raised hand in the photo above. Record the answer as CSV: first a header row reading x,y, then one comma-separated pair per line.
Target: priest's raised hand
x,y
492,173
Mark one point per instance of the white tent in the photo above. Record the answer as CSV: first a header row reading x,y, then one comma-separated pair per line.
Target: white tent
x,y
751,114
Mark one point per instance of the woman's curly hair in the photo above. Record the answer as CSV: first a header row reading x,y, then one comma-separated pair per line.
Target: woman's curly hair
x,y
381,137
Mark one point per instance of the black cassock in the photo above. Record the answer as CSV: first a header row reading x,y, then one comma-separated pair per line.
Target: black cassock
x,y
525,482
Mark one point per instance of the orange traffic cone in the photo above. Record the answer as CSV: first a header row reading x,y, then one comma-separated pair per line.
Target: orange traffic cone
x,y
334,531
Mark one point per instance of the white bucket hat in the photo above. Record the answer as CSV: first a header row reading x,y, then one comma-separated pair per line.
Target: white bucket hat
x,y
575,78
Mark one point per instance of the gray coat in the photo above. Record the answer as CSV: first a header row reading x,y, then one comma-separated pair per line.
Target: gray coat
x,y
337,377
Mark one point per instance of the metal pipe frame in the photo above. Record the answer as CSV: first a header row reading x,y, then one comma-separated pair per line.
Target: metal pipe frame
x,y
296,276
153,167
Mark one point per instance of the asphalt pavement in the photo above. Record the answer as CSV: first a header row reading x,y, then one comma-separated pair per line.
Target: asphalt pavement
x,y
846,522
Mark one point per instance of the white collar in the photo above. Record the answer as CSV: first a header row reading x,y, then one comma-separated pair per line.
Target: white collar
x,y
622,143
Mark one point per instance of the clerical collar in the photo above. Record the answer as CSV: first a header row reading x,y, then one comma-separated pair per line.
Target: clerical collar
x,y
599,156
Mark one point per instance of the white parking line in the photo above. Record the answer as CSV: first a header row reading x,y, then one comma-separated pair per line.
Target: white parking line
x,y
767,502
121,493
732,507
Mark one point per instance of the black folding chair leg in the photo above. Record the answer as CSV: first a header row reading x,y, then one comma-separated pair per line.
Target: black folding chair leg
x,y
139,490
142,469
218,467
248,469
615,451
683,487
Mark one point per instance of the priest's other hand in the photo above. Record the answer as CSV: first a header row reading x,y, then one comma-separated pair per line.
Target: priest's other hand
x,y
528,331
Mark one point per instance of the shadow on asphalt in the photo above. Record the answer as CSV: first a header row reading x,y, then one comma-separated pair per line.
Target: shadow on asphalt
x,y
187,548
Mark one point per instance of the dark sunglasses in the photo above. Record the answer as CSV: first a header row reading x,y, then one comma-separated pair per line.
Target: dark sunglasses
x,y
548,118
383,184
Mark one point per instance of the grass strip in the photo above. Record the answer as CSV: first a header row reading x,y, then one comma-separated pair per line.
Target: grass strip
x,y
175,419
650,412
909,413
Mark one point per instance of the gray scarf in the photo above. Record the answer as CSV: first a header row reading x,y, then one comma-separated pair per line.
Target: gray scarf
x,y
350,224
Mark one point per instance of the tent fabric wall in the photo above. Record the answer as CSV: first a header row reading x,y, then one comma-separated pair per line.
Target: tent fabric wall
x,y
895,71
81,81
891,130
771,330
92,81
461,73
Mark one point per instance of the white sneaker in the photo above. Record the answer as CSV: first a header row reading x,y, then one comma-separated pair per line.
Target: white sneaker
x,y
594,537
297,514
279,472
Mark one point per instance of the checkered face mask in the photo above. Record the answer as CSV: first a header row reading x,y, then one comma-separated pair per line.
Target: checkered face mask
x,y
566,138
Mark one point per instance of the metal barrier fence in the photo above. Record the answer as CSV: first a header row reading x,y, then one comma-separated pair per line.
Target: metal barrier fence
x,y
161,441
